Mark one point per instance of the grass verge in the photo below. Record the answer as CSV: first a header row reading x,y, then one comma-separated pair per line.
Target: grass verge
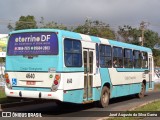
x,y
157,86
2,94
141,112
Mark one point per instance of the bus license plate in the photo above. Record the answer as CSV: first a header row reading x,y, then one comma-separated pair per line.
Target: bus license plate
x,y
30,83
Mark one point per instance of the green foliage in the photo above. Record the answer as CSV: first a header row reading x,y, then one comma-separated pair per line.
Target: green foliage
x,y
52,25
131,35
10,27
2,59
26,22
150,38
2,94
95,28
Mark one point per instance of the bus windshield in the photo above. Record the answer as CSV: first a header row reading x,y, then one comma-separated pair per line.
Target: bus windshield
x,y
35,43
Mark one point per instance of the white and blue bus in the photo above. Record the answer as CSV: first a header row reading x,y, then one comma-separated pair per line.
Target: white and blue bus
x,y
71,67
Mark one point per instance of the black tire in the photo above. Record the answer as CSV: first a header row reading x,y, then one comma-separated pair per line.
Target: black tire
x,y
142,92
104,100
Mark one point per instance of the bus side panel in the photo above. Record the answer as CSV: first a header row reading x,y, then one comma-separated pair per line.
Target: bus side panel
x,y
40,63
128,89
97,85
73,86
135,88
152,85
105,77
73,96
96,93
126,82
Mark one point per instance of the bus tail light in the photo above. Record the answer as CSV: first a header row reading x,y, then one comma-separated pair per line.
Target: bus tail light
x,y
56,82
57,79
8,84
7,81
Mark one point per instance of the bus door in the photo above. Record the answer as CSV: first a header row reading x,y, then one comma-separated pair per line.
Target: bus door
x,y
150,72
88,59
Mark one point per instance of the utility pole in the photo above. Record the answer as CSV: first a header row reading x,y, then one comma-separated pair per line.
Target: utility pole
x,y
89,24
143,26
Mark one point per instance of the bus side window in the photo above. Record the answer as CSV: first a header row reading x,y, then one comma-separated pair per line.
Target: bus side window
x,y
128,58
144,60
105,56
117,57
72,53
137,59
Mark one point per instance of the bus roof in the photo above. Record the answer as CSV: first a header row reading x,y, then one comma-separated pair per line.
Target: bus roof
x,y
95,39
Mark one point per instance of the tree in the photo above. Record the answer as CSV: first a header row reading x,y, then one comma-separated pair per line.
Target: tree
x,y
52,25
24,22
27,22
10,27
96,28
150,38
129,34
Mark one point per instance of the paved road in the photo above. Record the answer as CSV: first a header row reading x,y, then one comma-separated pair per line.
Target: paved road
x,y
88,111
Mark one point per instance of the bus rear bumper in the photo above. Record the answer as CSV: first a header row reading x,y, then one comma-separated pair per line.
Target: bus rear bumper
x,y
57,95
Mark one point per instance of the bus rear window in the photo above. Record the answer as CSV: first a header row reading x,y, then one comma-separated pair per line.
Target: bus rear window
x,y
36,43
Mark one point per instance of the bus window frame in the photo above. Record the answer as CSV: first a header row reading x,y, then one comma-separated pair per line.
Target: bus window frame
x,y
143,60
128,58
105,56
137,59
72,39
117,57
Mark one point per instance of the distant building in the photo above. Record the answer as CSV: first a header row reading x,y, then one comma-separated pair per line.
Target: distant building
x,y
3,44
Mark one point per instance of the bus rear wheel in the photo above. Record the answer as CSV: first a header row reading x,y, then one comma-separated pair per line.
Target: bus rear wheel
x,y
104,101
143,89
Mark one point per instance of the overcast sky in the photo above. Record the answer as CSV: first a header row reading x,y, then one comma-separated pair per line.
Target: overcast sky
x,y
74,12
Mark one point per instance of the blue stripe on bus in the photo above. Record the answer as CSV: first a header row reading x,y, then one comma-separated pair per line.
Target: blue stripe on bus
x,y
105,76
96,93
35,30
74,96
73,69
32,89
95,39
128,89
122,90
67,34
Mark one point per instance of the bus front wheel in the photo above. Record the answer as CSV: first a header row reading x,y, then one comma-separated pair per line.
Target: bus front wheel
x,y
104,101
142,92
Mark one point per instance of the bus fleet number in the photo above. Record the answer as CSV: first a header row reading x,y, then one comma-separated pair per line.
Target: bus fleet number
x,y
30,75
